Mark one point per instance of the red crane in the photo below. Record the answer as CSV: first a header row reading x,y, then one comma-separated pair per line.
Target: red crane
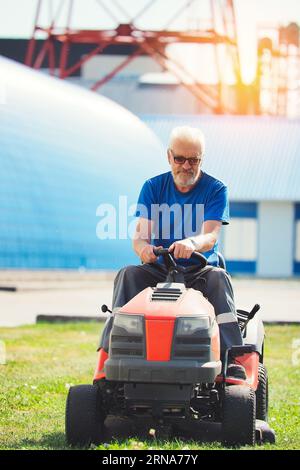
x,y
143,42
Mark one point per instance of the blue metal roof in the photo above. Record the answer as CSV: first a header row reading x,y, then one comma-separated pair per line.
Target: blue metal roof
x,y
258,157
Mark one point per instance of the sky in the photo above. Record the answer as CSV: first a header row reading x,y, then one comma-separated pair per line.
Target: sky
x,y
17,18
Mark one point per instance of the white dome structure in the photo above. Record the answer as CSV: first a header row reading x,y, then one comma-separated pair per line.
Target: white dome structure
x,y
63,152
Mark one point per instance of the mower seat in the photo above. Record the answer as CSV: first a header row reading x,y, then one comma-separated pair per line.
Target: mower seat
x,y
221,261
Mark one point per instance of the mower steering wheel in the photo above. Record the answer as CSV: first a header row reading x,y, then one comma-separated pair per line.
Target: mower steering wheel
x,y
171,260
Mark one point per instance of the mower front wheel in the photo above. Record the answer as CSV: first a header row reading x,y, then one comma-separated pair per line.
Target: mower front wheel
x,y
84,416
238,425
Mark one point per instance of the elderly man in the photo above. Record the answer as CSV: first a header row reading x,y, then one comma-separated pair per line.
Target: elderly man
x,y
186,187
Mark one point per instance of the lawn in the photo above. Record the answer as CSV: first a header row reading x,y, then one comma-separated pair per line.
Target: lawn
x,y
44,360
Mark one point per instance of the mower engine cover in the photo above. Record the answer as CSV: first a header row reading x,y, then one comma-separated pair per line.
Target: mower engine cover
x,y
166,334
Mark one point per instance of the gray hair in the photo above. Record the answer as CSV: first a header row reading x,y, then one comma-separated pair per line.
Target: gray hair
x,y
188,134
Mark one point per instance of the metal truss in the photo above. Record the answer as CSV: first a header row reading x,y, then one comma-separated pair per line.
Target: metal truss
x,y
143,42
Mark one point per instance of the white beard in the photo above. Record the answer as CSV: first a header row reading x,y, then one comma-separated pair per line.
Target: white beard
x,y
187,182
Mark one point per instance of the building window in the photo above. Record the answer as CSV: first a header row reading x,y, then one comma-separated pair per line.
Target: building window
x,y
297,240
240,238
240,241
297,247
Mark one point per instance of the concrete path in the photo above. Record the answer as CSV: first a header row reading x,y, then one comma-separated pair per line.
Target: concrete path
x,y
83,296
17,308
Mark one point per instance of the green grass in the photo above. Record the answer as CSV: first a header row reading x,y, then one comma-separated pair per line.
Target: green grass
x,y
43,360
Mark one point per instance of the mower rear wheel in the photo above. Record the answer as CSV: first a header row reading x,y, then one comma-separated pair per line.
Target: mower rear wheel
x,y
238,425
84,416
262,394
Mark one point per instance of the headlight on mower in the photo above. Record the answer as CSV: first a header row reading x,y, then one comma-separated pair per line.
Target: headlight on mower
x,y
133,324
192,338
127,338
191,325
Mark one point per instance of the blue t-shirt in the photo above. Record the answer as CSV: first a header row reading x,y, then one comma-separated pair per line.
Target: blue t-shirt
x,y
178,215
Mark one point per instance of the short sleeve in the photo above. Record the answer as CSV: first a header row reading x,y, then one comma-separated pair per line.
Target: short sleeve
x,y
217,206
145,201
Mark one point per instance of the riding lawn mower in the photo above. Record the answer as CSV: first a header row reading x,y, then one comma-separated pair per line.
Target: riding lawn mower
x,y
164,363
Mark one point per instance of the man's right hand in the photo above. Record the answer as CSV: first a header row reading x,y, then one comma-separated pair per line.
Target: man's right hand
x,y
147,255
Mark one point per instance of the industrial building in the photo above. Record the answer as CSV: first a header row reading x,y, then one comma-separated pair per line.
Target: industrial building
x,y
75,149
141,87
72,150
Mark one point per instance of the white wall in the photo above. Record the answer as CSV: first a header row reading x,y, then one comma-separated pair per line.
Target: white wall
x,y
275,239
240,239
100,65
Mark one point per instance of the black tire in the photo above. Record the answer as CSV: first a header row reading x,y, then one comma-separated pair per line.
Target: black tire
x,y
238,425
262,394
84,416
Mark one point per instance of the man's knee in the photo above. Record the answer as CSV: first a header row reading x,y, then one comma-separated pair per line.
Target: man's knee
x,y
217,278
128,272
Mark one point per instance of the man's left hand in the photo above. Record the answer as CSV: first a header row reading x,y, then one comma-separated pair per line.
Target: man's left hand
x,y
182,249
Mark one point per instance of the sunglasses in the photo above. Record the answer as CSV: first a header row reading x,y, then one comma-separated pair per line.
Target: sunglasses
x,y
193,161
